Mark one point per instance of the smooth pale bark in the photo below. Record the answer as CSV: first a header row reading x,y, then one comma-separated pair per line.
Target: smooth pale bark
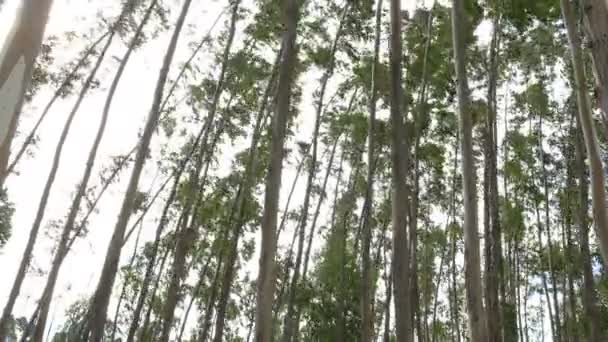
x,y
267,274
29,248
595,13
17,58
99,303
367,316
589,300
476,319
400,203
420,115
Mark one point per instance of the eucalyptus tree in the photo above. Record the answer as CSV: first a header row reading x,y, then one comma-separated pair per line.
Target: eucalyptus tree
x,y
266,276
99,304
598,191
367,324
17,57
477,318
400,162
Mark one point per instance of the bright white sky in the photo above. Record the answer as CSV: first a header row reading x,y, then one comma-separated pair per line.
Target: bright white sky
x,y
81,269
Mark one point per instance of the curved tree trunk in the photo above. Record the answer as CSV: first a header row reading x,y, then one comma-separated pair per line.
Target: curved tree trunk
x,y
17,58
99,302
477,324
266,275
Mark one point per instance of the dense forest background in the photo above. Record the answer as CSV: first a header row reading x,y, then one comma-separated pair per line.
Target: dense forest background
x,y
289,170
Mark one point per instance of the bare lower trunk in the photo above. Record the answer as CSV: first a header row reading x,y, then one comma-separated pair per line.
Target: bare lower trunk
x,y
477,324
99,303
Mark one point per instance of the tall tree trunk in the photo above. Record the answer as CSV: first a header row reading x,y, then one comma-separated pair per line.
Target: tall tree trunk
x,y
267,276
400,163
367,314
493,237
27,254
17,57
387,303
595,14
477,331
589,300
99,303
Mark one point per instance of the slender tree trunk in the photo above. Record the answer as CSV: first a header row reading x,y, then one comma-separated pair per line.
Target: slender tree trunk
x,y
387,304
206,322
367,315
589,300
99,302
400,163
267,273
493,238
27,254
595,14
144,331
17,57
477,331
